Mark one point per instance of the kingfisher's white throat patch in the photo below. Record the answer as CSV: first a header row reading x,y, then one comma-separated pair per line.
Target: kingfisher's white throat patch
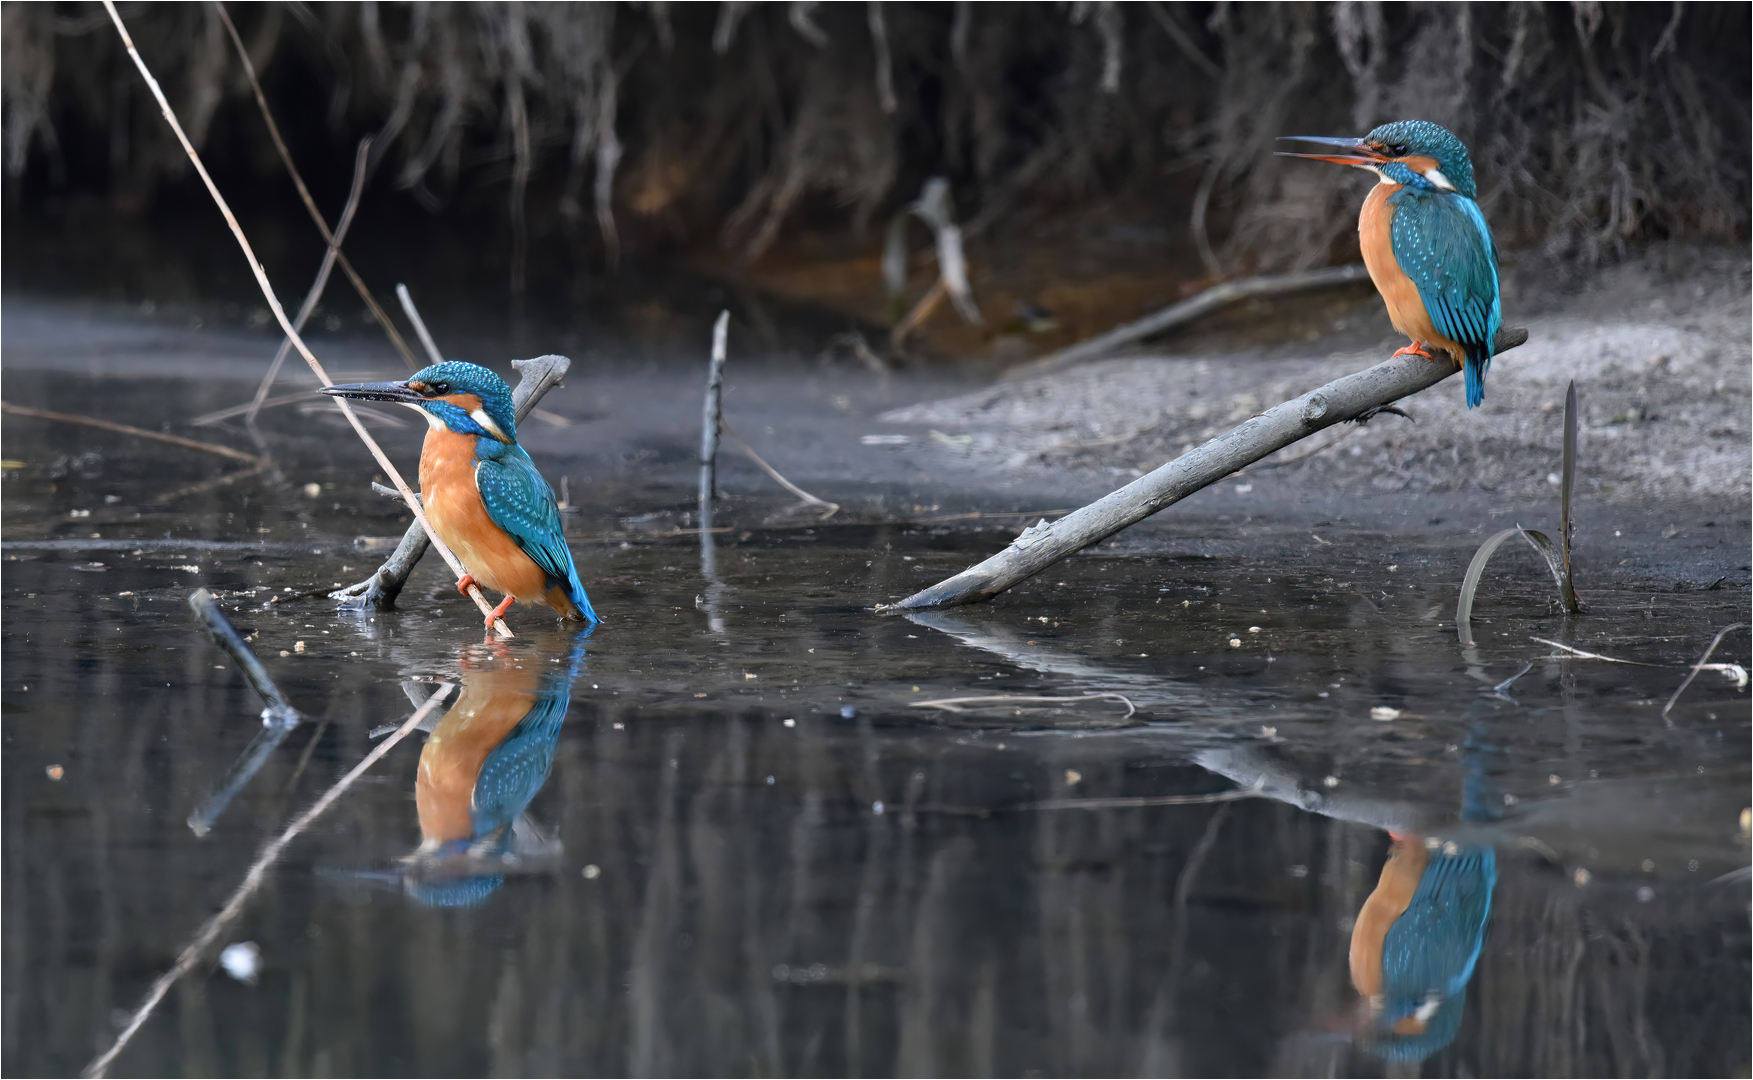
x,y
432,422
1435,176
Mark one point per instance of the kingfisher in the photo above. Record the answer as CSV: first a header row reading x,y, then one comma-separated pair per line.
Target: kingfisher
x,y
1426,243
481,491
1417,940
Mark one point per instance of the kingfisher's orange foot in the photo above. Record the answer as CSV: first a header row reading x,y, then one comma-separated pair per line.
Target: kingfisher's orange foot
x,y
1414,349
495,615
464,582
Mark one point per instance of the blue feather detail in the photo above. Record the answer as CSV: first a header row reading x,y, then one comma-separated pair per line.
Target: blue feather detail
x,y
1442,242
1433,946
520,501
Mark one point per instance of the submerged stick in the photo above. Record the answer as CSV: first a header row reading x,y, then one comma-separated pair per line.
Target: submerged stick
x,y
1186,311
129,429
267,288
278,719
315,295
310,205
258,871
1044,544
379,591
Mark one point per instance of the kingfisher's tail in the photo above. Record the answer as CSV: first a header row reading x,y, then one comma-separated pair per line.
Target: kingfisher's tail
x,y
1478,362
575,593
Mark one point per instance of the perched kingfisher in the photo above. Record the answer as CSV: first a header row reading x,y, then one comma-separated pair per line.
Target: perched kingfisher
x,y
481,491
1417,940
1426,243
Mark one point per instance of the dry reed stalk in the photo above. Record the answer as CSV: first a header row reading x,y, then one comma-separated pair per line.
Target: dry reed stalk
x,y
261,274
249,69
129,429
252,880
361,157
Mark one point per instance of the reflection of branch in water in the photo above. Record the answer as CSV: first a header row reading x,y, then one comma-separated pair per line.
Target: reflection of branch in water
x,y
955,704
209,933
278,719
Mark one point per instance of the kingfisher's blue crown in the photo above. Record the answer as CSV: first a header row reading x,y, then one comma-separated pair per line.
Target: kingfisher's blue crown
x,y
458,377
1421,138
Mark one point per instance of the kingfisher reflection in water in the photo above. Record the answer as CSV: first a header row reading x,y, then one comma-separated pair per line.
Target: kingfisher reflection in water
x,y
484,762
1416,941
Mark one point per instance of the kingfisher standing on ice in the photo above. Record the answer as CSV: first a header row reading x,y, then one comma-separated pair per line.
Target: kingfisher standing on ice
x,y
1426,243
481,491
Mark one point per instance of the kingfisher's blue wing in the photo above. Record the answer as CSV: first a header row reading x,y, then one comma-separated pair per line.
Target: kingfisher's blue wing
x,y
1443,244
518,767
1433,946
520,501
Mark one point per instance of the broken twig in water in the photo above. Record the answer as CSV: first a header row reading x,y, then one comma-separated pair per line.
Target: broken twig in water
x,y
1212,299
712,418
377,592
955,704
129,429
252,880
1696,668
286,326
278,718
310,205
1046,543
832,507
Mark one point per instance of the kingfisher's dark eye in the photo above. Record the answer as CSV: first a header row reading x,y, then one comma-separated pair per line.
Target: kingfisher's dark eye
x,y
438,389
1398,149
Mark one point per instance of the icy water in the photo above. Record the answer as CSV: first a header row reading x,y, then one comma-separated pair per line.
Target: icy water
x,y
723,835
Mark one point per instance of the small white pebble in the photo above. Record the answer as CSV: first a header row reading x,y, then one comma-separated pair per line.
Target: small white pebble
x,y
592,871
1331,781
1649,865
1072,776
1321,694
877,807
1267,731
1383,712
1431,843
1393,567
1235,643
311,491
1451,849
242,960
769,781
1553,779
1645,894
790,722
1253,629
1509,800
1554,479
1581,877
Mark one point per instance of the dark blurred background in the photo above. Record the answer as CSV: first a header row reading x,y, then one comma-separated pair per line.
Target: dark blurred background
x,y
562,172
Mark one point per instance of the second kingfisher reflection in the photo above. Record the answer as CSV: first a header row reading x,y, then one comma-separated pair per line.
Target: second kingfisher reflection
x,y
485,761
1416,941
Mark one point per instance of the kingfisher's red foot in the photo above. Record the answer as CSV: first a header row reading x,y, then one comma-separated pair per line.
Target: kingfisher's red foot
x,y
464,582
504,605
1414,349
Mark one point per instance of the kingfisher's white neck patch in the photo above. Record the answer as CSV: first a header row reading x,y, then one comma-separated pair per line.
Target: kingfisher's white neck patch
x,y
1435,176
480,416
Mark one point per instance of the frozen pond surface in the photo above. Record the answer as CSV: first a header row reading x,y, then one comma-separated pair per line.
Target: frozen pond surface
x,y
756,853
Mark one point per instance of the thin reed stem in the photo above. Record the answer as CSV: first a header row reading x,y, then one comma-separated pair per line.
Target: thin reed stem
x,y
129,429
371,304
261,274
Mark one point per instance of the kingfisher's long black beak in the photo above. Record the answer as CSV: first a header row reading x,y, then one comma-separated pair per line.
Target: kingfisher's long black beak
x,y
398,392
1360,154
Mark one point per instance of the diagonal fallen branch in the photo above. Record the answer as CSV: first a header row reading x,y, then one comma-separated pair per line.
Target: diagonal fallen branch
x,y
252,880
129,429
1346,398
286,326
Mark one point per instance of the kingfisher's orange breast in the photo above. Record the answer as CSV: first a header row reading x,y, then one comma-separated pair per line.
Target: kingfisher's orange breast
x,y
491,704
453,505
1405,305
1392,895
